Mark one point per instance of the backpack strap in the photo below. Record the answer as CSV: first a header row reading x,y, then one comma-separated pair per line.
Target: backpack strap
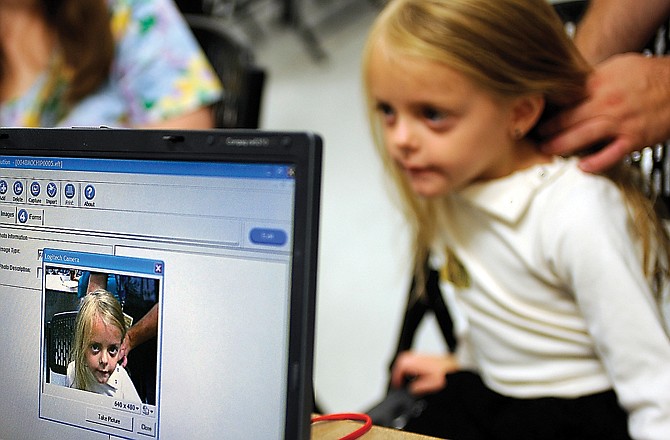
x,y
416,308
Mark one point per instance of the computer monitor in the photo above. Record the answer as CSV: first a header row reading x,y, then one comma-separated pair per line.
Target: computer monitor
x,y
205,240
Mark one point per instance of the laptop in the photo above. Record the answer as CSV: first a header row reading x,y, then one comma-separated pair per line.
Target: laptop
x,y
206,240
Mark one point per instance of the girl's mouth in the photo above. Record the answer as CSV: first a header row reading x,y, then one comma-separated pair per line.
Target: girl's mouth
x,y
103,374
417,172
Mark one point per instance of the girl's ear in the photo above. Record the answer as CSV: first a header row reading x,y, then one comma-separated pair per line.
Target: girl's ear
x,y
526,111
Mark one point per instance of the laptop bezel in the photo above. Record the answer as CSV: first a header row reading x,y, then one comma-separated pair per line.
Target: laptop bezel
x,y
303,150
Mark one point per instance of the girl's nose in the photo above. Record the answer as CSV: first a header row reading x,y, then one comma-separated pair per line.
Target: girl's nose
x,y
403,138
103,358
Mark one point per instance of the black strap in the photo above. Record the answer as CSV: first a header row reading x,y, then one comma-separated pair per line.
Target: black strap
x,y
440,310
432,301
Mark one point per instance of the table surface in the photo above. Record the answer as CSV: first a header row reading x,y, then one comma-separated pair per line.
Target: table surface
x,y
333,430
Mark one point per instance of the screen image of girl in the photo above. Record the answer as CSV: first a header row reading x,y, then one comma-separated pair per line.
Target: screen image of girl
x,y
555,276
100,327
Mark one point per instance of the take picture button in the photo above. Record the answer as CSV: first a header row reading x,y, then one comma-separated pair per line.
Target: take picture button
x,y
108,418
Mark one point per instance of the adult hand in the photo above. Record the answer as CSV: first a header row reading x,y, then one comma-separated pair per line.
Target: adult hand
x,y
627,108
123,352
140,332
427,372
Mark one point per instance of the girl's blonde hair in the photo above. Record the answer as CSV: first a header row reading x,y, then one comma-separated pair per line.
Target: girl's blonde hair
x,y
97,304
510,48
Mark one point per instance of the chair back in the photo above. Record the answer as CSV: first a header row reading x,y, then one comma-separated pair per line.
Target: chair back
x,y
60,331
233,60
570,12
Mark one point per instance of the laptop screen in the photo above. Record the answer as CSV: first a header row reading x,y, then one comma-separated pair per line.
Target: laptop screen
x,y
200,247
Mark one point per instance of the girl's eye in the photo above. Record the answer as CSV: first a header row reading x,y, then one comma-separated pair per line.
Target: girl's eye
x,y
385,110
95,348
113,350
438,120
433,114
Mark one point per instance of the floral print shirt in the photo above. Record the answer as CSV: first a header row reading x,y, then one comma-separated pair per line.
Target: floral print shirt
x,y
159,72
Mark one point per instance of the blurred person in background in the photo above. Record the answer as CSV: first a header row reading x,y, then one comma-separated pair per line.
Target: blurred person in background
x,y
118,63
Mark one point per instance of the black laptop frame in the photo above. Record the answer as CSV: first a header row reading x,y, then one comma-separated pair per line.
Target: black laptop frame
x,y
301,149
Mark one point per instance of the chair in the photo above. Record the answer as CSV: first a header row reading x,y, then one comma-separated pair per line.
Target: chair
x,y
59,333
399,406
233,60
570,11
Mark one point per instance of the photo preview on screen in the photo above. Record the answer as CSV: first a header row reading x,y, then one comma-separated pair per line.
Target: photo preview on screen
x,y
89,304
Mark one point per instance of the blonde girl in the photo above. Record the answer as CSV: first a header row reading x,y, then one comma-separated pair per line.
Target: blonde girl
x,y
557,274
100,328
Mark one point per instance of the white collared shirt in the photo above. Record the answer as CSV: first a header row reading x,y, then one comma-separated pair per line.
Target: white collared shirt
x,y
558,304
119,385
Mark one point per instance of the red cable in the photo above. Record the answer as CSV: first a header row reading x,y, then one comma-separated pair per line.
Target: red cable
x,y
367,425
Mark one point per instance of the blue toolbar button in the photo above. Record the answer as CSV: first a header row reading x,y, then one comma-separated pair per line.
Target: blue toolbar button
x,y
70,191
275,237
52,189
35,189
89,192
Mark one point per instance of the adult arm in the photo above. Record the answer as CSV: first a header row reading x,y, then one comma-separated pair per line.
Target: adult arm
x,y
140,332
96,281
627,108
617,26
202,118
628,96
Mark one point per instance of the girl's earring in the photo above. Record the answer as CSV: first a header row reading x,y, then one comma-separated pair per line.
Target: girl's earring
x,y
517,134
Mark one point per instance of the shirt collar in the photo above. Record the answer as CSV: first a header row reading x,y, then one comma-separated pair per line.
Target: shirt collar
x,y
509,197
